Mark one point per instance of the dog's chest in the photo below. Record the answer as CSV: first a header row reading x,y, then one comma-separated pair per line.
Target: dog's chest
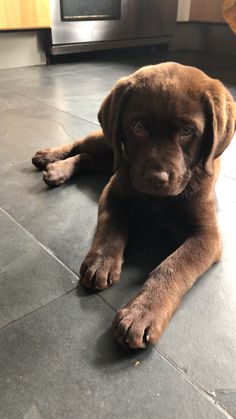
x,y
154,213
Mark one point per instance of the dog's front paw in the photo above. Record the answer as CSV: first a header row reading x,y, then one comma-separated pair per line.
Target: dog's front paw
x,y
99,270
43,157
57,173
139,323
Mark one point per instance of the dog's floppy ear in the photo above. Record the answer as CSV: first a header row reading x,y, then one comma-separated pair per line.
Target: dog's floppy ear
x,y
220,115
109,117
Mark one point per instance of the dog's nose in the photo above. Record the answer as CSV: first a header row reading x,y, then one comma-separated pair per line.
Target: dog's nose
x,y
156,177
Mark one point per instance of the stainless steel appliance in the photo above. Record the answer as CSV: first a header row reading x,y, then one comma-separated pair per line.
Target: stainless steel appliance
x,y
83,25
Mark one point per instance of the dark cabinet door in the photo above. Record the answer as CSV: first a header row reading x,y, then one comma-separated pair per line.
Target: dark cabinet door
x,y
151,18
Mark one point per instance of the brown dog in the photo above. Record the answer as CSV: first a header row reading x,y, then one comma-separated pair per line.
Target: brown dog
x,y
163,129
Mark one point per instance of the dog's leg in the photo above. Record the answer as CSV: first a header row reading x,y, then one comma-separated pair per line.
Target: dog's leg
x,y
61,163
60,171
93,144
144,318
102,266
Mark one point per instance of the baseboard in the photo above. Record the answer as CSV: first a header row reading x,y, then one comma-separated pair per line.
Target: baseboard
x,y
21,49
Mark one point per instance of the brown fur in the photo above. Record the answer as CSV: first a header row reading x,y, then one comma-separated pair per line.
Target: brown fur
x,y
163,129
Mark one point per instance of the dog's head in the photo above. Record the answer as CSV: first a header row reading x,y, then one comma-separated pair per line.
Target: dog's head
x,y
167,119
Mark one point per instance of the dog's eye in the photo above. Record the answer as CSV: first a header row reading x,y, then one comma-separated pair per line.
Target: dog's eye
x,y
138,127
186,131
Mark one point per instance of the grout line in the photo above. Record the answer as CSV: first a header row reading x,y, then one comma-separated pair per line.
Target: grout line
x,y
194,383
36,309
227,176
50,106
101,298
67,113
47,249
51,253
39,118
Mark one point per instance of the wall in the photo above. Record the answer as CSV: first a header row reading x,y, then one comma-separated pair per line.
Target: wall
x,y
183,10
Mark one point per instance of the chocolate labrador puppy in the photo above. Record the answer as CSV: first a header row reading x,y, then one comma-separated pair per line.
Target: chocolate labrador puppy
x,y
163,130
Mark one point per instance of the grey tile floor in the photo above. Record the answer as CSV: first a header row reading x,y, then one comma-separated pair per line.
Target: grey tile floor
x,y
57,356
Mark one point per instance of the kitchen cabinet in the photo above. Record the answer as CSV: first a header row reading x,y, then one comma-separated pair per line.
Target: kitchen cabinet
x,y
24,14
206,11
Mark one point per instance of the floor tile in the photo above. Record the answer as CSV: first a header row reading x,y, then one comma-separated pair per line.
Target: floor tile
x,y
84,67
28,199
85,106
30,277
63,218
79,91
62,363
228,167
11,100
26,129
63,86
225,192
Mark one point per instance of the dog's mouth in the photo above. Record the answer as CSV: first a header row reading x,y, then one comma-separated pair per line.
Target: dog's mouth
x,y
171,190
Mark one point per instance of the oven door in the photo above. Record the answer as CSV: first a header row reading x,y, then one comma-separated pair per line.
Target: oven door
x,y
79,21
